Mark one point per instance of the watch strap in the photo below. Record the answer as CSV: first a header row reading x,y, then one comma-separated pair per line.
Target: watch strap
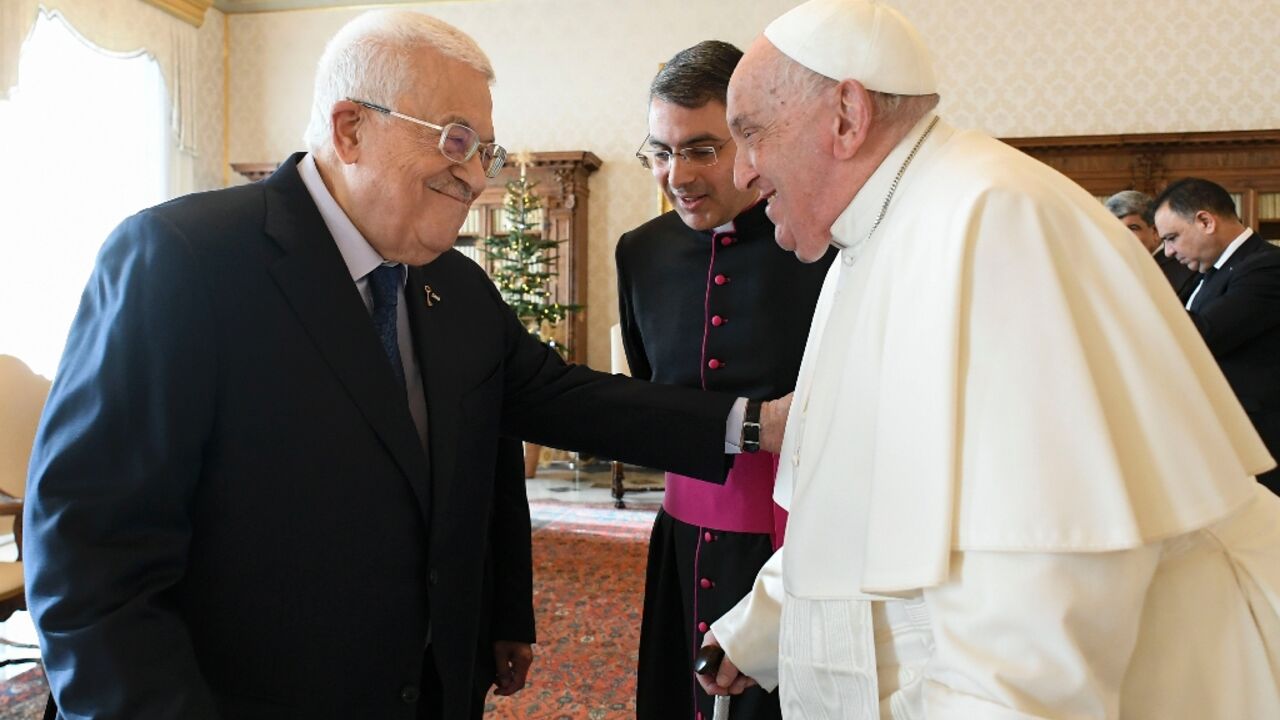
x,y
751,427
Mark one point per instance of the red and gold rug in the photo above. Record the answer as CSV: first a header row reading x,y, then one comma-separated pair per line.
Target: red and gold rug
x,y
588,570
23,696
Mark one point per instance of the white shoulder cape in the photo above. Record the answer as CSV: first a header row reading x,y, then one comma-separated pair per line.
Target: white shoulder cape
x,y
1002,367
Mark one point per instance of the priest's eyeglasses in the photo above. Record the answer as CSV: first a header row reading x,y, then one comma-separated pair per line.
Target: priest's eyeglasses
x,y
651,158
458,142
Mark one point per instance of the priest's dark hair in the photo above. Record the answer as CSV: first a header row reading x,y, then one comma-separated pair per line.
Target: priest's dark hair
x,y
1189,196
696,75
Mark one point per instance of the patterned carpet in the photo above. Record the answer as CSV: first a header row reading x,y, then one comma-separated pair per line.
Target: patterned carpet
x,y
23,697
584,665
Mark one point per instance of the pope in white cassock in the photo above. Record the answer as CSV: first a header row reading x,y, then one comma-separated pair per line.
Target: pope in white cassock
x,y
1019,485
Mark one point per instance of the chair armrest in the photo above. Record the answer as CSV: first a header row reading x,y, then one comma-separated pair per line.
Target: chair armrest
x,y
12,506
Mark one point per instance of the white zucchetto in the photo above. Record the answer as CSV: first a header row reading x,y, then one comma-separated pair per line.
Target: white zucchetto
x,y
863,40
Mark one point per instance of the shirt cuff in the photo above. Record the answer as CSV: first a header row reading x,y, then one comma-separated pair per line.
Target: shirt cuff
x,y
733,427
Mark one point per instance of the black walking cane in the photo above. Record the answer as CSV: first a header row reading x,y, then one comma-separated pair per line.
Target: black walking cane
x,y
707,664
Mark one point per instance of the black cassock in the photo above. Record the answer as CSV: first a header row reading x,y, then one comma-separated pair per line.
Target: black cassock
x,y
726,311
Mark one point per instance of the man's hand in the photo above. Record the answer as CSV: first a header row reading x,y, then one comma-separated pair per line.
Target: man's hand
x,y
773,421
513,660
728,681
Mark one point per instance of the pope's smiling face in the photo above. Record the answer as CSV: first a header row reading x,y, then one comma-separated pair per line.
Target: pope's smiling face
x,y
782,153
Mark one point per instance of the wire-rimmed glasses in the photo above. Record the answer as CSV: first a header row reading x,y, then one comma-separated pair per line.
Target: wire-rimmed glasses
x,y
458,142
659,158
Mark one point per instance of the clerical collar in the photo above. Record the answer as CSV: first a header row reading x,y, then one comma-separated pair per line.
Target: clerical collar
x,y
857,220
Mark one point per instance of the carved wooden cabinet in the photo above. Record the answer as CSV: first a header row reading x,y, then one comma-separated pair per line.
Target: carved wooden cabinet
x,y
1246,163
561,179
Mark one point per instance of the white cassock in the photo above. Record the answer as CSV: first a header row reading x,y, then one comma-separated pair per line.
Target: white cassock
x,y
1019,485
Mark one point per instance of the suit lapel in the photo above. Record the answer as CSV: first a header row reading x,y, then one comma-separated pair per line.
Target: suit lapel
x,y
315,281
439,354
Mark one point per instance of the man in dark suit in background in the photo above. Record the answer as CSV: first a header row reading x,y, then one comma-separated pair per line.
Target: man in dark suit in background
x,y
1236,305
1135,210
707,300
268,481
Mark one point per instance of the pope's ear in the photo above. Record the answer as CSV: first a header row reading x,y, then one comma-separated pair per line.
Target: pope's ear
x,y
348,130
853,118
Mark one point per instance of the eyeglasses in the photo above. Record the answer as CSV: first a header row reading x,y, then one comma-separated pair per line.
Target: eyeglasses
x,y
702,156
458,142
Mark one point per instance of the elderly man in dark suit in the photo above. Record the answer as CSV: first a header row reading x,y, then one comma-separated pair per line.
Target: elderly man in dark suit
x,y
1135,210
1236,304
268,482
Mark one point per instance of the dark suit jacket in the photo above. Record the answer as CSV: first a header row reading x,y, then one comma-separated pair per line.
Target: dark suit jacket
x,y
1182,278
1238,315
230,513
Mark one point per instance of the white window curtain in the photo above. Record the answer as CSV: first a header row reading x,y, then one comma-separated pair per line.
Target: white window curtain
x,y
86,142
125,27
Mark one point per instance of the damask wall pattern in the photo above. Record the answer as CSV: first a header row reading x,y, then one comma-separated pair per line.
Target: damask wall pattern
x,y
210,161
573,75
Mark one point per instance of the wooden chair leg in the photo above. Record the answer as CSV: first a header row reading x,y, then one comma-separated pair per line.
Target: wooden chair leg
x,y
618,489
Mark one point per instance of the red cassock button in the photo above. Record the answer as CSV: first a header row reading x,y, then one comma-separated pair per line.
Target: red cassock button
x,y
726,240
714,364
705,584
721,279
717,320
703,627
707,536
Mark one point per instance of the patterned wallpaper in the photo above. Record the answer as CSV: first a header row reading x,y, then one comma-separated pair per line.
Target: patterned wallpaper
x,y
211,145
573,74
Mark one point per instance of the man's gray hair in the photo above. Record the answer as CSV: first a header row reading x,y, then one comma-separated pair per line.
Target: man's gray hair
x,y
371,57
1132,202
803,84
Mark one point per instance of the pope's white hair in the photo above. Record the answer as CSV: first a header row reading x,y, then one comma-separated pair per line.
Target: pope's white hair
x,y
370,59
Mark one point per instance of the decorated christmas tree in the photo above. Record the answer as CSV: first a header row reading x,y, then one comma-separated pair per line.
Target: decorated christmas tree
x,y
523,263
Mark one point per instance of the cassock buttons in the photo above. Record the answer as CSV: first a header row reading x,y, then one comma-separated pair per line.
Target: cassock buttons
x,y
726,240
721,279
714,364
705,584
717,320
703,627
708,537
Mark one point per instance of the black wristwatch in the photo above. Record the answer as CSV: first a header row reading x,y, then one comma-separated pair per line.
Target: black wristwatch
x,y
751,427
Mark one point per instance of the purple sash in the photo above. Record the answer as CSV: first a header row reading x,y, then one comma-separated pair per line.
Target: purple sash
x,y
743,504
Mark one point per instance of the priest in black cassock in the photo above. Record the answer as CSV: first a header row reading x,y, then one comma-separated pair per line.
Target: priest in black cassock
x,y
707,300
